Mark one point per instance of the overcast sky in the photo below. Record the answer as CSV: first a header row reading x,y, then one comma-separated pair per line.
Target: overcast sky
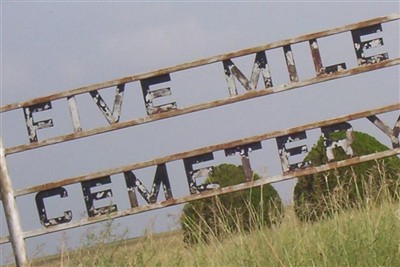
x,y
52,46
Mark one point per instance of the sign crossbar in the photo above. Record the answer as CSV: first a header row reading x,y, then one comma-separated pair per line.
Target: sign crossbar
x,y
360,32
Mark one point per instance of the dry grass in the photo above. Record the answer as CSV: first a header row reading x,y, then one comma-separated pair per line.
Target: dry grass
x,y
367,235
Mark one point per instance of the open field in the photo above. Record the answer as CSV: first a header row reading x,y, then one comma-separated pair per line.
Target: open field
x,y
361,233
366,237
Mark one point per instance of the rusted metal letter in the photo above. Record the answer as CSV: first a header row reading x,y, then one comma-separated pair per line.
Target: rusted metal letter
x,y
90,196
286,150
331,144
44,220
161,177
319,68
149,95
291,66
393,134
361,46
193,174
114,115
33,126
260,66
243,151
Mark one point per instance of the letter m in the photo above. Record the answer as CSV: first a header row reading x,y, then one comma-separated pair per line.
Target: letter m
x,y
260,66
161,176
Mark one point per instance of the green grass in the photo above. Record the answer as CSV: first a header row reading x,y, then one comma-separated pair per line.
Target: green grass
x,y
367,234
366,237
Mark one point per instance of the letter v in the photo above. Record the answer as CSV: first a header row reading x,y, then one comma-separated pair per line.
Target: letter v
x,y
392,133
112,117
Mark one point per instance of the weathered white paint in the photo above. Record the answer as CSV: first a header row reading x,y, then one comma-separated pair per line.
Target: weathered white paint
x,y
11,212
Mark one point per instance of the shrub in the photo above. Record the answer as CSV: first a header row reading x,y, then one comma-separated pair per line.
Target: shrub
x,y
232,212
319,195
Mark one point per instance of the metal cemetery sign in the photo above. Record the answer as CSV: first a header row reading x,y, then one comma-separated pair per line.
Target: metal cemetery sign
x,y
289,141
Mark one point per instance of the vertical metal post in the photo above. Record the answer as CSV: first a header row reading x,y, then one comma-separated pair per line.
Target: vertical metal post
x,y
287,50
248,172
73,109
319,68
11,212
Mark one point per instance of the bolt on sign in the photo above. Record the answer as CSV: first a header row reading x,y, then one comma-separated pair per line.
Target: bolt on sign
x,y
290,142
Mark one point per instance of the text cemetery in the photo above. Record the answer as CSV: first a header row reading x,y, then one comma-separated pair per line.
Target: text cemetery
x,y
290,142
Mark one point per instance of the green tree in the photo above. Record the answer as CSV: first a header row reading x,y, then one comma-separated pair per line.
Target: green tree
x,y
232,212
319,195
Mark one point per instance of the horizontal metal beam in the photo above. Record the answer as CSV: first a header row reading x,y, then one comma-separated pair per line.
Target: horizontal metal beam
x,y
203,106
200,62
211,193
204,150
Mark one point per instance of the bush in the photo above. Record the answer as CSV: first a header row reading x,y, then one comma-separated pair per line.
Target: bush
x,y
233,212
320,195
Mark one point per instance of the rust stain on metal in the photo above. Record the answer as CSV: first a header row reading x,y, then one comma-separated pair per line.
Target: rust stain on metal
x,y
319,69
260,66
199,107
201,62
203,151
243,147
210,193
